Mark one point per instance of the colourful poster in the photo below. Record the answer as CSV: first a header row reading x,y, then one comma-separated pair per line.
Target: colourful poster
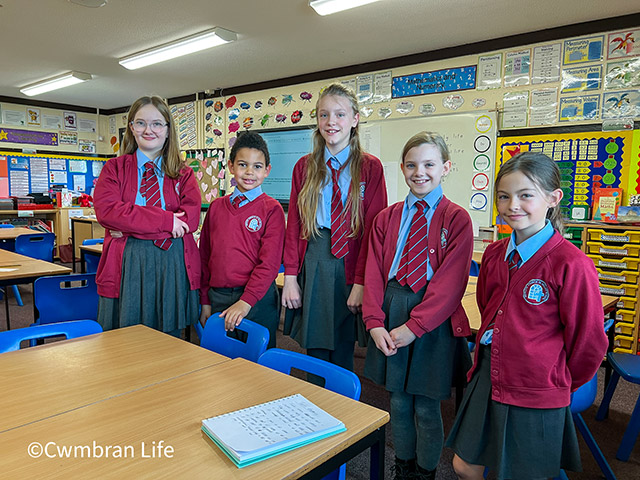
x,y
621,104
11,135
581,78
581,50
586,160
583,107
517,68
449,80
623,44
622,74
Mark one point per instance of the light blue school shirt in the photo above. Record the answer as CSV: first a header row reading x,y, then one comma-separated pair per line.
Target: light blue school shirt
x,y
142,159
531,245
408,211
323,214
250,195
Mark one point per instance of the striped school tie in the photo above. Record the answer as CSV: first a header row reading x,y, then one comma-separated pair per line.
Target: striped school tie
x,y
339,224
412,269
514,262
150,190
236,201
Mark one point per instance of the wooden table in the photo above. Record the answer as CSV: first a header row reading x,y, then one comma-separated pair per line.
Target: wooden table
x,y
91,250
90,369
13,233
20,269
159,411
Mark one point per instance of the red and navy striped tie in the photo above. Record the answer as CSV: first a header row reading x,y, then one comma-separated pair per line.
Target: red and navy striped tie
x,y
513,262
339,224
412,269
150,190
238,200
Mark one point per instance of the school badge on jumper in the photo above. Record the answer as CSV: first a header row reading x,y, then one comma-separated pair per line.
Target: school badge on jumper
x,y
535,292
362,184
444,233
253,223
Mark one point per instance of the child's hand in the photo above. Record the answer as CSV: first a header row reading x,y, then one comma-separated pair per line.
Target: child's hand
x,y
383,341
205,313
234,314
180,228
291,293
354,302
402,336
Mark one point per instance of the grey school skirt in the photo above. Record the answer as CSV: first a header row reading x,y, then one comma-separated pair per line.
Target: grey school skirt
x,y
154,290
429,365
324,320
514,442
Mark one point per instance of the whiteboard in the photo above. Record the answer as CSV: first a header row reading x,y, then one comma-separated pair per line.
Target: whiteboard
x,y
471,138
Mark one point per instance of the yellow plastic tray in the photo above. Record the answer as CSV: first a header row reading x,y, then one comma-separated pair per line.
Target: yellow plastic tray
x,y
625,276
618,290
628,303
627,236
626,250
625,316
627,329
623,341
618,263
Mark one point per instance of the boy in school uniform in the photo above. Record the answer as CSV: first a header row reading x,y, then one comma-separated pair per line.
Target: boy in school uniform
x,y
241,244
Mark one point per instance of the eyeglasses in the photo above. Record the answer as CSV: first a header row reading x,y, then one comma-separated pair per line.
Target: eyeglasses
x,y
141,126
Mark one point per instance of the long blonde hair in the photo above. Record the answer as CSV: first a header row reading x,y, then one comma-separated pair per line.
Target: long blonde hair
x,y
318,173
172,162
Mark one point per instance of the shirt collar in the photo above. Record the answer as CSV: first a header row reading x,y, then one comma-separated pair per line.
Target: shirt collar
x,y
530,246
340,157
142,159
432,198
250,195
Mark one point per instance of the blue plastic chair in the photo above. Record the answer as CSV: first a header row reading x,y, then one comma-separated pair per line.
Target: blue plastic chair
x,y
337,379
91,261
10,340
6,225
11,246
626,366
38,245
215,338
474,270
57,300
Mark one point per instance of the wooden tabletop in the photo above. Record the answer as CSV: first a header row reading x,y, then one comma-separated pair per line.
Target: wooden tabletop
x,y
12,233
14,266
171,412
47,380
95,249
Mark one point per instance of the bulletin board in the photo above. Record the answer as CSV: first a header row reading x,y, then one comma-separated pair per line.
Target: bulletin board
x,y
209,167
21,173
586,160
471,138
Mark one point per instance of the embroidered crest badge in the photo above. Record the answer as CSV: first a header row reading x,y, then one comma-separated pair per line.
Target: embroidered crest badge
x,y
535,292
444,233
362,184
253,223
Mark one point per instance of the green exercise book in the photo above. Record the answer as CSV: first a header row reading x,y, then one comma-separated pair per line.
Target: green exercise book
x,y
263,431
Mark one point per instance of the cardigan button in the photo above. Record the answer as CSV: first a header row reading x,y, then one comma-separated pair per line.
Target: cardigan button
x,y
495,351
432,251
500,312
496,392
458,329
496,330
494,372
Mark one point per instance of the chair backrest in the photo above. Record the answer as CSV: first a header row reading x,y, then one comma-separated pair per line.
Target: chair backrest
x,y
6,225
66,297
36,245
10,340
474,270
337,379
215,338
584,396
93,241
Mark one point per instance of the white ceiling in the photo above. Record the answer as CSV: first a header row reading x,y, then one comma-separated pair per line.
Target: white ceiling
x,y
276,39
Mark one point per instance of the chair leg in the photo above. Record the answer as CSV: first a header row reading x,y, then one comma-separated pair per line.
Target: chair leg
x,y
593,446
603,410
16,293
630,434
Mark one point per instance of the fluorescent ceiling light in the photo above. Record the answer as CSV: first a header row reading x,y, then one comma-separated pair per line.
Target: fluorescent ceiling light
x,y
184,46
327,7
61,81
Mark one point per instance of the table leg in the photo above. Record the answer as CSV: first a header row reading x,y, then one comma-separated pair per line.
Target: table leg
x,y
73,245
83,262
610,334
376,468
6,306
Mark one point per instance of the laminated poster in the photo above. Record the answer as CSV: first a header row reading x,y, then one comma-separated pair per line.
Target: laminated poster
x,y
364,88
621,104
382,87
623,44
581,50
546,63
584,107
580,79
517,67
543,107
515,107
622,74
33,117
489,71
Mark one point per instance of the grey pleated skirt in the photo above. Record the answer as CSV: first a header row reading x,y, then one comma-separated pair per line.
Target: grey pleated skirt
x,y
154,290
430,365
514,442
324,320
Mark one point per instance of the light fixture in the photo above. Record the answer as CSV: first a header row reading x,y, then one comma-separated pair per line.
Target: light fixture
x,y
184,46
327,7
54,83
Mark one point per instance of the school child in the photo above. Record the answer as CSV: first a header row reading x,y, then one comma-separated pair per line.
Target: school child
x,y
336,192
417,271
541,336
241,244
148,200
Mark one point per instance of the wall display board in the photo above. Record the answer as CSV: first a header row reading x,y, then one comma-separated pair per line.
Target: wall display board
x,y
471,138
586,160
209,167
22,173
